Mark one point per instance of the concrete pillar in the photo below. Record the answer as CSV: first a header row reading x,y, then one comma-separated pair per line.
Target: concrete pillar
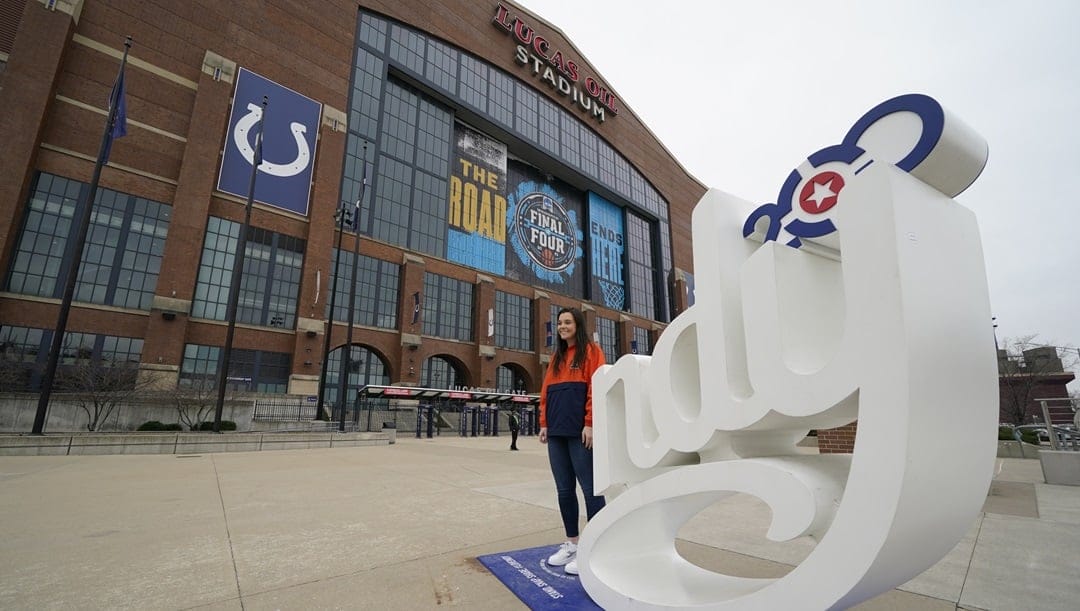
x,y
167,326
30,78
315,281
484,364
409,360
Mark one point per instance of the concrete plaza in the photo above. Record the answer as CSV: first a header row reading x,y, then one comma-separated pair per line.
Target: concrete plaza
x,y
400,527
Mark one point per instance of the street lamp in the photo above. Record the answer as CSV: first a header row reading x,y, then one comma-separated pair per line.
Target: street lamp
x,y
343,382
343,214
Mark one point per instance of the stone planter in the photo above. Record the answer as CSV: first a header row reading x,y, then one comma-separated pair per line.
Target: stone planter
x,y
1061,467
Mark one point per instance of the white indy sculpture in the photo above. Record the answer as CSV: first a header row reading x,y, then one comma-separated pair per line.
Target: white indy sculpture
x,y
860,294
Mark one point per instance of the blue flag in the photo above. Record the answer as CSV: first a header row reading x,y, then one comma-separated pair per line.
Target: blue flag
x,y
119,125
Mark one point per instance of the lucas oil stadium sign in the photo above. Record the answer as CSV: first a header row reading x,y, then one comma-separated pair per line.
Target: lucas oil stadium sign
x,y
559,72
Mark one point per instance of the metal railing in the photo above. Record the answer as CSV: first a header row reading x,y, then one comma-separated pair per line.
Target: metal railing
x,y
1062,420
283,410
373,414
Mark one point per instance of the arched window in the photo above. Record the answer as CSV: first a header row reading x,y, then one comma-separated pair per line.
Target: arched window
x,y
365,367
508,378
440,372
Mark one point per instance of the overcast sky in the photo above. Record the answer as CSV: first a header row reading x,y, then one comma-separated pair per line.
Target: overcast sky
x,y
742,92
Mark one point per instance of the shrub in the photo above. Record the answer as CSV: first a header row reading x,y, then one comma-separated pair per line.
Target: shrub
x,y
226,425
1005,433
1031,437
154,425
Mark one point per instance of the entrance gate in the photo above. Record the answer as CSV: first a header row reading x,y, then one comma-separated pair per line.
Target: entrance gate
x,y
469,413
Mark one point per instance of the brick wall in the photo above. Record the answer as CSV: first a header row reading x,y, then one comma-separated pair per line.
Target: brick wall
x,y
840,440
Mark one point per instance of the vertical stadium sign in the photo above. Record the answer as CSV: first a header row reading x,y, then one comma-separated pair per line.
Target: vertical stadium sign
x,y
544,231
606,237
560,73
476,212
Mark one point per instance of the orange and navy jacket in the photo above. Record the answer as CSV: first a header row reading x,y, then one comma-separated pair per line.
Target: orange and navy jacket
x,y
566,396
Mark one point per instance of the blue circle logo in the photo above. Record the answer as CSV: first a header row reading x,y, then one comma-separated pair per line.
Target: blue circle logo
x,y
546,232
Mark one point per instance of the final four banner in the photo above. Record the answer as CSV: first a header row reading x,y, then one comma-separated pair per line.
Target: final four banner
x,y
476,216
606,238
289,138
544,230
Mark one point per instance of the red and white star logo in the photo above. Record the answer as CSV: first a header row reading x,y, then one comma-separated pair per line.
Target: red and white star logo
x,y
820,192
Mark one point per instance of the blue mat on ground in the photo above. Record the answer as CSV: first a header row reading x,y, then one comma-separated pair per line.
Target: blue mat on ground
x,y
526,573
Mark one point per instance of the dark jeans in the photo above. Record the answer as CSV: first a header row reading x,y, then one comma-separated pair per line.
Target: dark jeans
x,y
570,459
513,438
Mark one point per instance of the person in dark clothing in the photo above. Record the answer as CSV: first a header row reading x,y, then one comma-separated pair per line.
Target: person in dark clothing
x,y
515,427
566,427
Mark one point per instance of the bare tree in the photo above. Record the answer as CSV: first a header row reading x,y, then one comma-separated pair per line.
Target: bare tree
x,y
100,386
12,375
1025,366
195,402
16,367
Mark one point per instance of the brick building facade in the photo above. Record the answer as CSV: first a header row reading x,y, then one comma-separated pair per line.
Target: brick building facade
x,y
377,72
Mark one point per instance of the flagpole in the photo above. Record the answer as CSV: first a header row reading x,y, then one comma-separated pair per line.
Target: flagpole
x,y
115,100
238,270
346,358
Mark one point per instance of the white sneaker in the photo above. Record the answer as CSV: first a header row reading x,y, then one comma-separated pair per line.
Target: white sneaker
x,y
567,552
571,567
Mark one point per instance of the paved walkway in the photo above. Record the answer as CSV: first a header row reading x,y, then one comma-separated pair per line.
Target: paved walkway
x,y
399,527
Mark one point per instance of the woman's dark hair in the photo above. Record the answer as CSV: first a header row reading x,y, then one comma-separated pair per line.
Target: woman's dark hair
x,y
581,340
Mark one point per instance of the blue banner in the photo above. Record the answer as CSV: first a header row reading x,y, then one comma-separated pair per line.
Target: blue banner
x,y
607,239
544,231
288,145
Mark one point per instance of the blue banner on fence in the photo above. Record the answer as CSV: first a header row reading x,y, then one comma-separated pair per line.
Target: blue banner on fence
x,y
289,137
526,573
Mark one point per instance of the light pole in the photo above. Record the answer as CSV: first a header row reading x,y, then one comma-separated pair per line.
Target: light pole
x,y
347,356
340,217
238,271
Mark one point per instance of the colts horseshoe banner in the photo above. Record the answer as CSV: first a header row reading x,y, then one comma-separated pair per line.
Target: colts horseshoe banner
x,y
289,135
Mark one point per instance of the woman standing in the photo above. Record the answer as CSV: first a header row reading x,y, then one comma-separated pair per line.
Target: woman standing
x,y
566,427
